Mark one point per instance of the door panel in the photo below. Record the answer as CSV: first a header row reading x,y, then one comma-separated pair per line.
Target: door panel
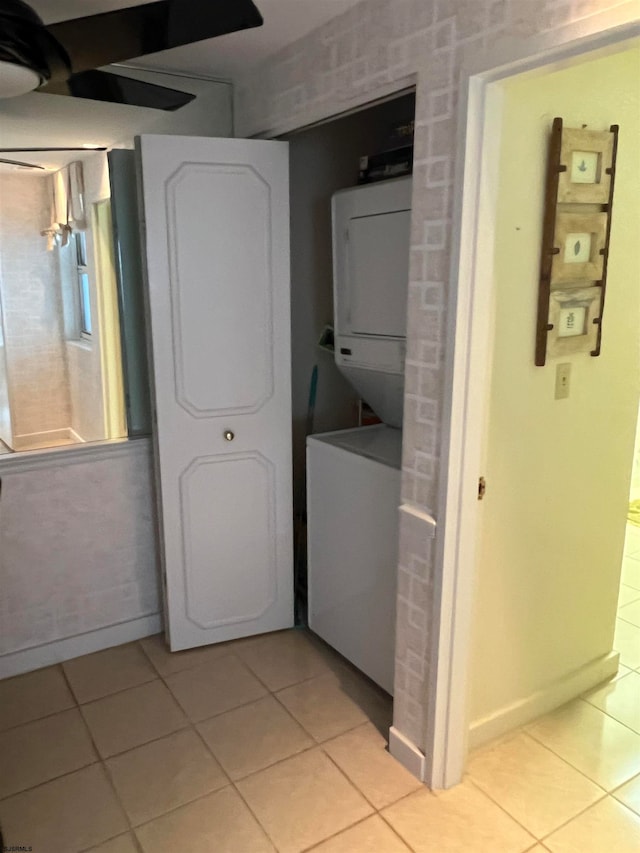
x,y
220,264
238,490
217,255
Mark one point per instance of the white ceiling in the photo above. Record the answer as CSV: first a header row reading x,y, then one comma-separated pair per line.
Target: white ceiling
x,y
227,56
36,119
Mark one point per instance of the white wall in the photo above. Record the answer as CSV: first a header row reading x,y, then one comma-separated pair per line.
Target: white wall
x,y
558,471
77,551
209,114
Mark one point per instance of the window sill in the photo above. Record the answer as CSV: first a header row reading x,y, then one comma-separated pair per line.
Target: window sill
x,y
87,346
46,457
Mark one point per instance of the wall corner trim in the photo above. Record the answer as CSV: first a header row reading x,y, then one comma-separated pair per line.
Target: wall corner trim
x,y
422,516
407,753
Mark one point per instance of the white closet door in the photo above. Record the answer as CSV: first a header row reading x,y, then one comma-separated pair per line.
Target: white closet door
x,y
216,217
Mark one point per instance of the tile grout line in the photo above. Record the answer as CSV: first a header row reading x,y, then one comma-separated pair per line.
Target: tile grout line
x,y
607,796
392,827
491,797
113,838
613,790
557,754
315,744
232,782
502,808
189,667
565,761
254,815
241,641
351,782
117,692
357,823
180,806
98,760
229,784
105,769
187,722
609,715
57,666
628,621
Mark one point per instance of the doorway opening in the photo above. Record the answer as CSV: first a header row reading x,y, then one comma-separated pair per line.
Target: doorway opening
x,y
627,637
551,611
346,442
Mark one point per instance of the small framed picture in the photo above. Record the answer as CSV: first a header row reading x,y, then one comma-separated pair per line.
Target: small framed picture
x,y
586,159
573,317
580,240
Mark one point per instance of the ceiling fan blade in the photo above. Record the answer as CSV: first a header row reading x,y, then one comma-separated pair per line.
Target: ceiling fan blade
x,y
33,150
117,89
110,37
20,163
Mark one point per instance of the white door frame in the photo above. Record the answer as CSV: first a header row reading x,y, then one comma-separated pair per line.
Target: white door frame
x,y
470,346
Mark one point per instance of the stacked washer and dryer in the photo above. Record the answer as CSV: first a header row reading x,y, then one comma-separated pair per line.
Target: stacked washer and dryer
x,y
353,476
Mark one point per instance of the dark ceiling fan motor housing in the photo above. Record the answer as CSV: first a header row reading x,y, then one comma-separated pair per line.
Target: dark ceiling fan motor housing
x,y
66,55
25,41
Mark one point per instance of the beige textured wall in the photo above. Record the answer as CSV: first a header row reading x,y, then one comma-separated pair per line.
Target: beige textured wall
x,y
77,545
373,48
32,308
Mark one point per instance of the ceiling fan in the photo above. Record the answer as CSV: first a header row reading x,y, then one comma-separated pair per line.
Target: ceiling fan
x,y
62,58
84,148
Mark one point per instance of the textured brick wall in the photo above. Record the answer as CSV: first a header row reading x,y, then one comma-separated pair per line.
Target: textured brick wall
x,y
373,49
77,545
32,307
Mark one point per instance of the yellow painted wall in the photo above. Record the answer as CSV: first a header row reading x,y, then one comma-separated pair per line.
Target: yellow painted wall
x,y
558,471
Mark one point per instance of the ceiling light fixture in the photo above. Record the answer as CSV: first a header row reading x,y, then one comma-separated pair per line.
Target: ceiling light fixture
x,y
27,51
16,79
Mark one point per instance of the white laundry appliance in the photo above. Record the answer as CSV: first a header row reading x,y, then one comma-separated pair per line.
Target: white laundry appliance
x,y
353,476
353,494
371,236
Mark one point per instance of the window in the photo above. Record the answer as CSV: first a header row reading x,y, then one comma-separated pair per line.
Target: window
x,y
76,286
84,291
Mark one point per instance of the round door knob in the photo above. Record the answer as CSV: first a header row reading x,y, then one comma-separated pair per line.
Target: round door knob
x,y
228,435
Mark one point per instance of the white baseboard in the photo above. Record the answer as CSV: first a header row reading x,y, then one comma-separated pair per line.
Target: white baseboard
x,y
406,753
57,651
542,701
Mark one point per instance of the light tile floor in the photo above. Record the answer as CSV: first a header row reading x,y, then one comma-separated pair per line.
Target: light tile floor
x,y
274,743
